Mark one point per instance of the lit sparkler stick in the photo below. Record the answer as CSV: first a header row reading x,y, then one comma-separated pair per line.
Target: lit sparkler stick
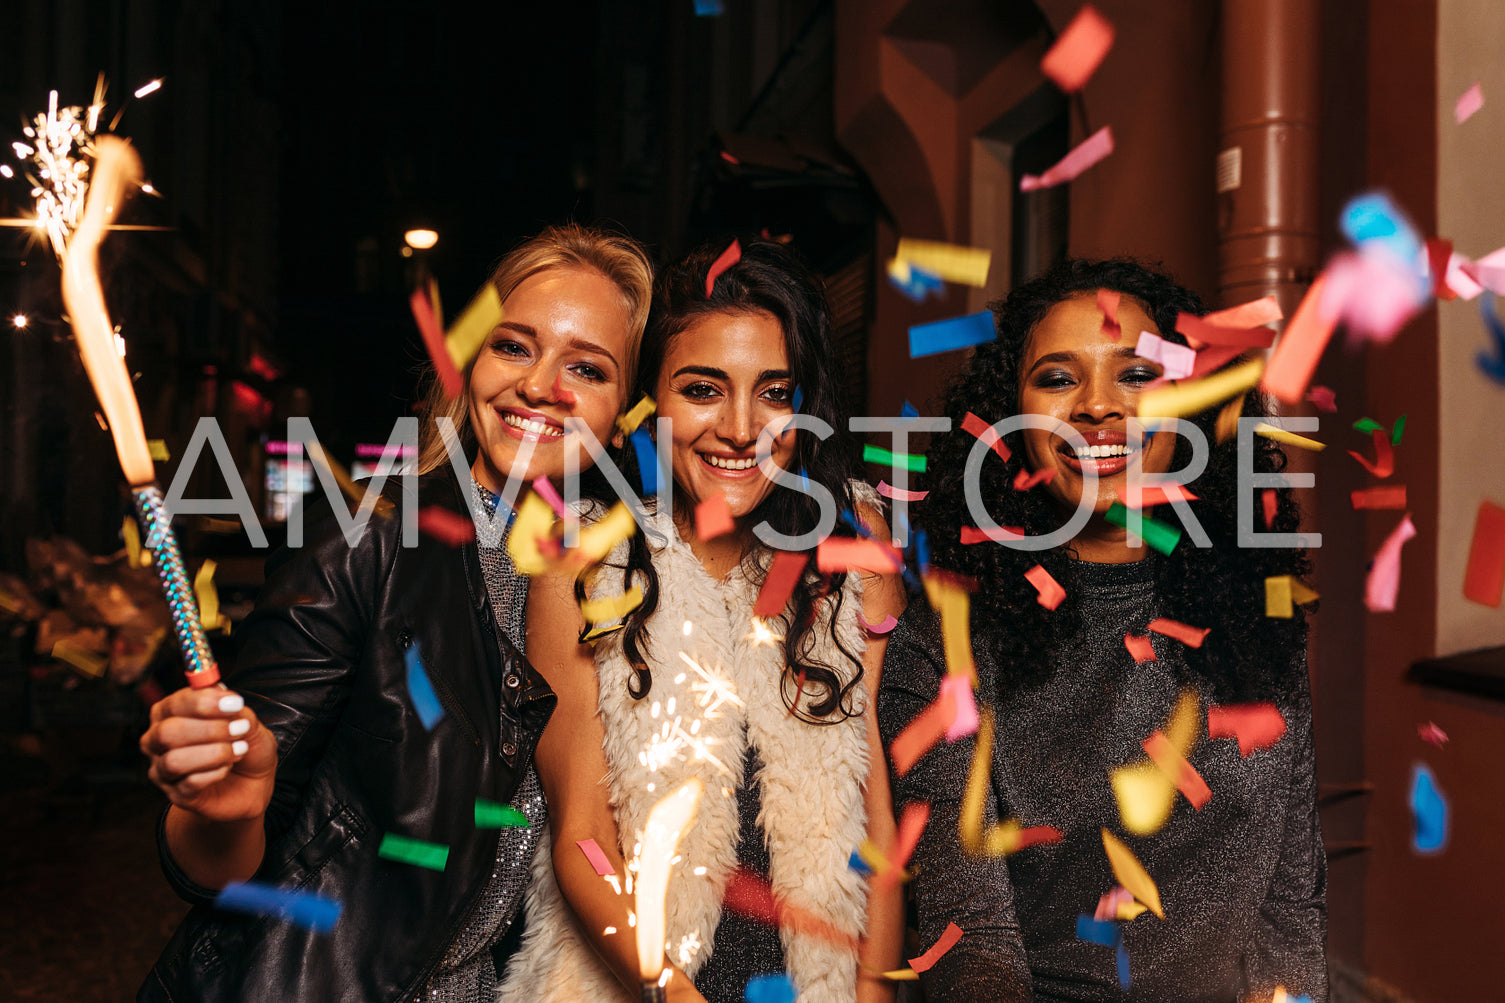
x,y
117,166
666,823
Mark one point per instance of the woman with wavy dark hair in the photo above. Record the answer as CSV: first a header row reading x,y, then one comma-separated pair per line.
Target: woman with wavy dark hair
x,y
1076,690
770,712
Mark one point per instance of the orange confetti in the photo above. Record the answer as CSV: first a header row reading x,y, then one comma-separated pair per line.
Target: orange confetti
x,y
911,826
713,517
948,940
1190,636
1383,497
1079,51
856,554
1255,725
1305,339
1050,590
1255,313
1180,772
982,430
1140,647
920,735
1484,581
783,575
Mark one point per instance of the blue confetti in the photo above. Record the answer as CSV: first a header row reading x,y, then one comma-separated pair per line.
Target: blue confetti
x,y
921,551
1123,962
919,286
1492,361
642,442
1095,931
309,910
949,335
1430,810
858,864
799,399
1373,220
909,410
857,524
770,989
709,8
421,691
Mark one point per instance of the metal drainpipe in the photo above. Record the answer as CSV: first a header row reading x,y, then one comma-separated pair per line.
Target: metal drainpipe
x,y
1267,167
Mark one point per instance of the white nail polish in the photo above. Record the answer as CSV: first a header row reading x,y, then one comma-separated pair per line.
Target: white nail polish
x,y
239,727
232,703
240,748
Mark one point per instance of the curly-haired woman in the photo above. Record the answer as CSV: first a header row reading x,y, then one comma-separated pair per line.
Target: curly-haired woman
x,y
1241,878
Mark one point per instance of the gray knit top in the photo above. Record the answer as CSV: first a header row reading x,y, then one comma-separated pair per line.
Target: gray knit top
x,y
1242,880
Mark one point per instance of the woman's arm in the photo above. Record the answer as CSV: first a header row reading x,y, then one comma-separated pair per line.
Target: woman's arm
x,y
572,768
882,949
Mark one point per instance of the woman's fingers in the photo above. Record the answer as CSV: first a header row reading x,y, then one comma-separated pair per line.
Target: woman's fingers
x,y
176,764
213,702
195,784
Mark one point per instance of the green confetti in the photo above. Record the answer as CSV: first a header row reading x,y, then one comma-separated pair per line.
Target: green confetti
x,y
490,815
1366,425
1162,536
418,852
1397,430
874,454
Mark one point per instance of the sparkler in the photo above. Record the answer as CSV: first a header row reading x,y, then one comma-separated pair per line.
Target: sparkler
x,y
83,179
666,823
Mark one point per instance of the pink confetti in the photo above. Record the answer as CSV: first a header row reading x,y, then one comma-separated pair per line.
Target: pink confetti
x,y
1255,725
1323,399
561,394
887,490
1383,583
728,258
546,491
883,626
1459,280
959,688
1488,272
1091,150
971,534
982,430
592,851
446,526
1025,479
1429,732
1270,501
1151,495
1177,360
1051,593
1079,50
1107,302
1107,906
1373,294
948,940
1468,102
1255,313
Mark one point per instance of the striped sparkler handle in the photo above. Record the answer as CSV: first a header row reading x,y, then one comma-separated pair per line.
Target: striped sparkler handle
x,y
156,527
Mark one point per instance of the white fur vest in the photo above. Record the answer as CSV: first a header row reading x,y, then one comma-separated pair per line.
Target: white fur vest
x,y
813,814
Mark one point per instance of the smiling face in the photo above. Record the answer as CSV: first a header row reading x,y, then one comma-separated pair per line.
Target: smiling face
x,y
558,353
1070,371
723,379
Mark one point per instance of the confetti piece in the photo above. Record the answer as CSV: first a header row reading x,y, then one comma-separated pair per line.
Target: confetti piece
x,y
1491,362
1484,581
1255,313
469,332
1118,904
711,8
980,429
1212,334
749,895
1160,535
157,448
418,852
725,260
642,445
636,415
1079,50
908,410
1429,811
1270,502
1255,725
1176,769
1289,438
953,606
1366,425
1398,430
920,735
1151,495
1301,345
531,529
847,554
611,608
971,534
1001,838
964,706
1131,873
856,863
951,334
1383,582
491,815
1199,395
433,343
1389,496
547,492
887,490
1145,796
883,626
1384,455
1095,931
912,822
208,596
560,393
1091,150
447,527
1323,399
81,658
1226,426
1178,361
1140,647
1050,592
1282,592
135,556
1026,479
915,283
1191,636
713,517
1107,305
783,575
421,690
769,988
926,961
355,492
1468,102
308,910
592,851
1374,293
1432,734
951,262
1121,955
882,457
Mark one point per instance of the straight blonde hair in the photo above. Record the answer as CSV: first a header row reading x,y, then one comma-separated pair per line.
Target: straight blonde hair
x,y
569,245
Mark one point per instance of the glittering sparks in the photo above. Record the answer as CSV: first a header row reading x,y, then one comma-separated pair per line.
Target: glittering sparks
x,y
761,634
713,690
689,946
149,87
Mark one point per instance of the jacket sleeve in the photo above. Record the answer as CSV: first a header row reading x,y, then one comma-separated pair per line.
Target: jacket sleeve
x,y
1290,931
949,886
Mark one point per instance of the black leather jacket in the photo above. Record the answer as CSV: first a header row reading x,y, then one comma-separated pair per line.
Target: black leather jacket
x,y
322,662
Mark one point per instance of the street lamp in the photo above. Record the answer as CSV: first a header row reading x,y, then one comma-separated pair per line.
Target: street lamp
x,y
421,239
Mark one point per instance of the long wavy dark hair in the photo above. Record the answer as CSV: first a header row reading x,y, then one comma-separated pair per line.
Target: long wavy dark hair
x,y
1221,586
768,278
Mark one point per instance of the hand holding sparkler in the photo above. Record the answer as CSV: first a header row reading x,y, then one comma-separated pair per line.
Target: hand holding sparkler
x,y
666,823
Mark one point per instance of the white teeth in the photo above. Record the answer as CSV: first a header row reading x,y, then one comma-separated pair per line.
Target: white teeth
x,y
532,427
1101,452
726,464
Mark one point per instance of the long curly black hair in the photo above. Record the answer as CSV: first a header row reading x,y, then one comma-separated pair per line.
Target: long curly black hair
x,y
1221,587
768,278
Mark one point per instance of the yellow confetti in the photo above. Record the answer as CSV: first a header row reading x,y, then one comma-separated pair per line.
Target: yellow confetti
x,y
873,857
1289,438
635,416
81,658
612,607
135,556
158,450
1282,591
595,634
208,597
903,975
1175,400
598,539
1131,909
534,523
952,262
1131,873
953,606
1001,838
382,506
1227,423
1144,793
474,325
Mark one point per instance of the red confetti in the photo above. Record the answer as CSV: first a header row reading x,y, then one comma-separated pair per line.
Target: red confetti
x,y
1051,593
1432,734
911,827
1038,835
1323,398
1107,303
1025,479
1270,500
1484,581
982,430
1190,636
855,554
971,534
1174,765
783,575
1255,725
445,526
920,735
433,343
713,517
729,257
561,394
1213,334
1384,455
1140,646
1385,496
751,896
948,940
1162,494
1439,253
1079,50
